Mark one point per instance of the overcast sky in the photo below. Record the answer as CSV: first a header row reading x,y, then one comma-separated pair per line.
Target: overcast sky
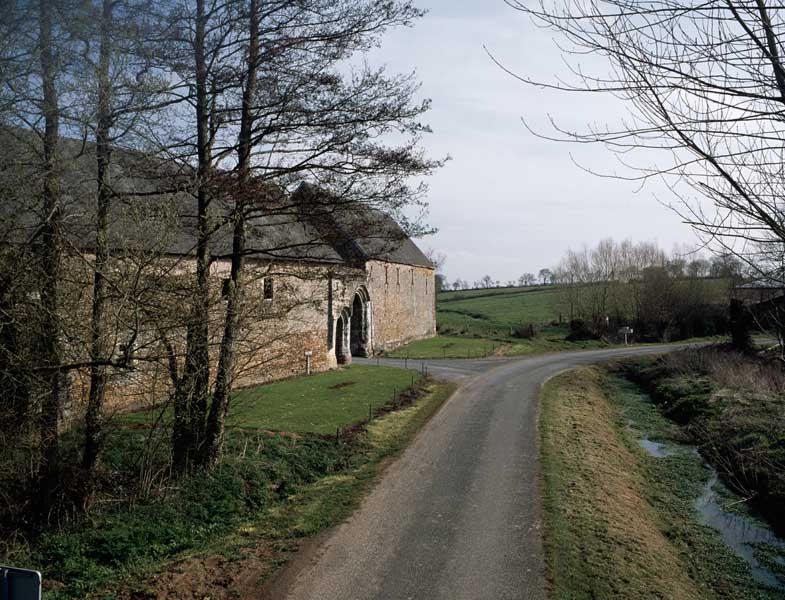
x,y
510,202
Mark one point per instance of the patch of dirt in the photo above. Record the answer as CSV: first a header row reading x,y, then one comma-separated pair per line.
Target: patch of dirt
x,y
339,386
238,577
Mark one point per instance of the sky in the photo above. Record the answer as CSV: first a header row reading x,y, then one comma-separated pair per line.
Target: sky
x,y
510,202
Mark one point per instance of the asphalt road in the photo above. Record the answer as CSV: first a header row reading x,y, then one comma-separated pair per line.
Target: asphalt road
x,y
458,515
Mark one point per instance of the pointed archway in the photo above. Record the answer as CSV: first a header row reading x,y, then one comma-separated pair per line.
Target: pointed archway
x,y
360,332
342,328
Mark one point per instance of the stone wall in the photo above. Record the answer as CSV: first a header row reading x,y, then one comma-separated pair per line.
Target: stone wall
x,y
275,336
403,301
302,317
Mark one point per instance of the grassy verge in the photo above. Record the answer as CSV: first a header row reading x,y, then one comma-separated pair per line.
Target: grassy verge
x,y
449,347
219,535
620,523
237,565
444,346
549,340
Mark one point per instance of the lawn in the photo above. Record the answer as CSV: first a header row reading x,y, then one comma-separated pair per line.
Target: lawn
x,y
448,347
319,403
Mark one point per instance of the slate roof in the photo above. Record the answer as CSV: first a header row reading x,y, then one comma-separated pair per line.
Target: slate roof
x,y
144,216
357,232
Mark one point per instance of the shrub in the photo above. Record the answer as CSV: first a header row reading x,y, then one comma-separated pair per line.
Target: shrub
x,y
580,331
526,331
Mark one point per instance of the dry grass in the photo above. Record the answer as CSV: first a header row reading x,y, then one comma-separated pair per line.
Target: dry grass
x,y
729,370
603,539
733,406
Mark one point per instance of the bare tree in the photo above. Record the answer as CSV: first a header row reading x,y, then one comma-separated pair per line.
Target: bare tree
x,y
705,86
276,110
545,276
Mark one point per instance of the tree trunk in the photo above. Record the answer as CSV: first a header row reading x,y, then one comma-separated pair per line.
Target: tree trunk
x,y
93,425
224,374
191,410
53,384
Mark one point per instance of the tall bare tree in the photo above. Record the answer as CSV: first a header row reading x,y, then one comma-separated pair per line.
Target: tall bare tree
x,y
705,86
273,102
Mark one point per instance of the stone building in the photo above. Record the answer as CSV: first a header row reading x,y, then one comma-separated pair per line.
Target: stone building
x,y
327,280
324,284
357,285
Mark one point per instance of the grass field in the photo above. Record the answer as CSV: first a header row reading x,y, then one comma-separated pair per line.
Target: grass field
x,y
551,340
493,313
319,403
485,322
449,347
479,323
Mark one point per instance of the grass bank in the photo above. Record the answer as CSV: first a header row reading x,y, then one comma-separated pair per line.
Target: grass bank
x,y
220,535
619,522
732,405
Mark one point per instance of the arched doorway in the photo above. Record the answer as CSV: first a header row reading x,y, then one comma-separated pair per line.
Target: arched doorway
x,y
360,332
342,351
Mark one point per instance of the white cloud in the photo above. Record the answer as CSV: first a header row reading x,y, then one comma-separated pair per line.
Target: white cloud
x,y
509,201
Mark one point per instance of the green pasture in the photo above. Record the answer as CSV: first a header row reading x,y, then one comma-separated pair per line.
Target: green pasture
x,y
319,403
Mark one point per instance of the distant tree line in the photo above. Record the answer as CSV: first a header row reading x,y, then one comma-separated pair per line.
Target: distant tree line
x,y
544,277
662,296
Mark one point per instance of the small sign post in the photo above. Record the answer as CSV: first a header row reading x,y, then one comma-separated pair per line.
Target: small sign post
x,y
625,331
19,584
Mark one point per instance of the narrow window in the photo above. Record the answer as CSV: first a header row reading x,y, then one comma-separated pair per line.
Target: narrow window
x,y
386,273
398,276
268,288
225,287
126,354
412,276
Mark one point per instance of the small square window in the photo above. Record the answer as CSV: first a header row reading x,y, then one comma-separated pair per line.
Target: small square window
x,y
268,288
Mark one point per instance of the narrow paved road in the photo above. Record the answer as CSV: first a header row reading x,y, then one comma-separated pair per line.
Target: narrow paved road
x,y
458,515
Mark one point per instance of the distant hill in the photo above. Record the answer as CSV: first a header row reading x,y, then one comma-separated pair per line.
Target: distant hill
x,y
498,312
493,311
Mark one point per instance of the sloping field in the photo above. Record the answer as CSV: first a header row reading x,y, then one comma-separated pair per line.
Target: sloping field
x,y
484,311
489,312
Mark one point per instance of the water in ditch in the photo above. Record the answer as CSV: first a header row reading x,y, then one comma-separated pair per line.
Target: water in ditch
x,y
743,534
